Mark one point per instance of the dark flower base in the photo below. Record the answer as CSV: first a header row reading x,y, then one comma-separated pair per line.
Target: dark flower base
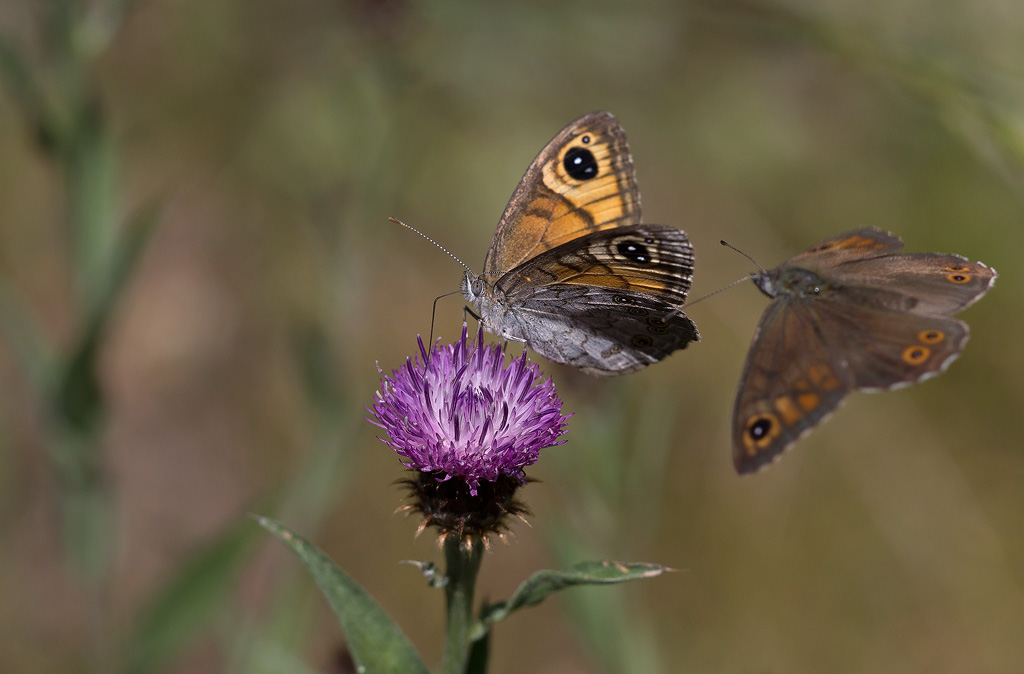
x,y
450,507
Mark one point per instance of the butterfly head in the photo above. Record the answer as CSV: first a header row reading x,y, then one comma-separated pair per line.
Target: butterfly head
x,y
790,281
472,287
766,282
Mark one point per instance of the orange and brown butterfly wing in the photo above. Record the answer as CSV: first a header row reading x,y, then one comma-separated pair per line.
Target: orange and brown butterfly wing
x,y
581,182
790,383
859,244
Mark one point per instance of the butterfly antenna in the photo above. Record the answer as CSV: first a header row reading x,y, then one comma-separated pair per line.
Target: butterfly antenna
x,y
729,245
715,292
433,311
450,254
728,285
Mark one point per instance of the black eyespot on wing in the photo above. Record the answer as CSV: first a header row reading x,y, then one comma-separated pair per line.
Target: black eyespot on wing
x,y
580,163
657,326
760,428
634,251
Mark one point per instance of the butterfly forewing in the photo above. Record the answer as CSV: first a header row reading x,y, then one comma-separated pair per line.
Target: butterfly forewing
x,y
865,243
646,258
582,181
920,283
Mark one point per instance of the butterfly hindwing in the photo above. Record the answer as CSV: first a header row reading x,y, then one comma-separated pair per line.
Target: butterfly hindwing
x,y
608,302
790,383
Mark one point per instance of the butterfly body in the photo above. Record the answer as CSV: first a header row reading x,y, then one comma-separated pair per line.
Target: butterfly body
x,y
570,271
849,314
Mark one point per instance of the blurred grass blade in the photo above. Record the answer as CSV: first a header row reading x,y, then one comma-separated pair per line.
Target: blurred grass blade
x,y
23,332
134,240
537,587
101,24
190,601
375,641
79,397
19,80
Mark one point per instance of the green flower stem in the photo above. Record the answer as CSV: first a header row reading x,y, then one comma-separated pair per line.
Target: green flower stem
x,y
462,557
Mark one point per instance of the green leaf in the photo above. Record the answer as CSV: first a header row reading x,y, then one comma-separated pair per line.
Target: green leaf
x,y
190,601
538,586
375,641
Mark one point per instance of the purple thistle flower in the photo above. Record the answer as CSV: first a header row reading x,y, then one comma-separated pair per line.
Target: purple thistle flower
x,y
460,413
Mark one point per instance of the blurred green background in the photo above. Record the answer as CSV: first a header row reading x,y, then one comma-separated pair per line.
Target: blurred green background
x,y
251,151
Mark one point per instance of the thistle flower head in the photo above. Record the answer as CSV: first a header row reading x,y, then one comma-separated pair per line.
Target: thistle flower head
x,y
469,424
